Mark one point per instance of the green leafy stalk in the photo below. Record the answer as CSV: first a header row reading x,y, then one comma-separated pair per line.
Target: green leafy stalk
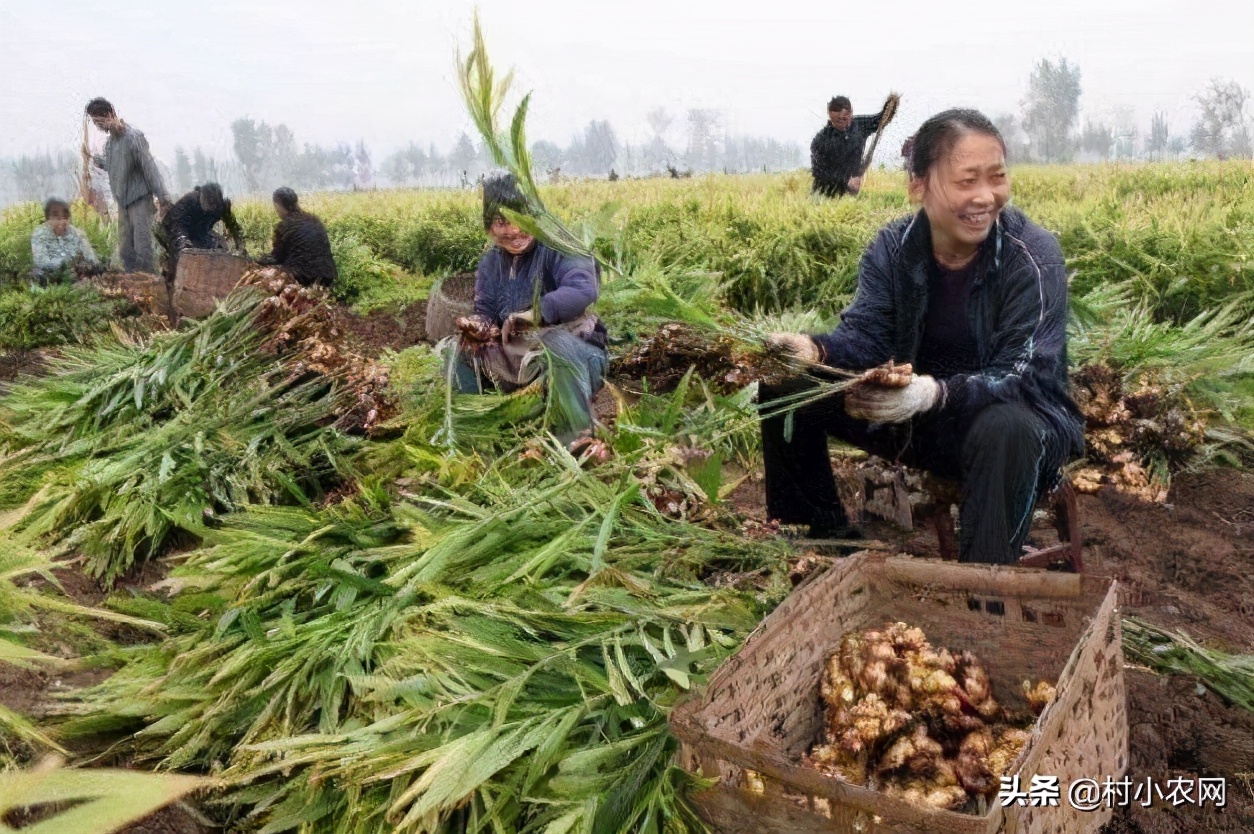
x,y
485,95
1229,675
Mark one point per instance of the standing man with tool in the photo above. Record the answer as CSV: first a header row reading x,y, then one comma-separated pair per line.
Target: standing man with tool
x,y
135,182
836,161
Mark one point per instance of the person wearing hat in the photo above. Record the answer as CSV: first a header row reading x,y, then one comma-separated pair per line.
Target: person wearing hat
x,y
532,299
836,151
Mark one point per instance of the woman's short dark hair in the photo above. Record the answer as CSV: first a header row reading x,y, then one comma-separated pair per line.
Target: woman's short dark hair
x,y
100,107
53,204
285,197
938,135
501,191
839,103
211,193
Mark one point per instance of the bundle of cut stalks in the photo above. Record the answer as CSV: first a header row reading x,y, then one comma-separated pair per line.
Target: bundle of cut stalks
x,y
297,319
916,722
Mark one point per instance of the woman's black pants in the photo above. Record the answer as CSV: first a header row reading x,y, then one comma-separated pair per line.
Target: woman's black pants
x,y
1005,458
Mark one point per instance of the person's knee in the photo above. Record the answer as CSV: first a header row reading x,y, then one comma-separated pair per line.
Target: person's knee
x,y
465,377
561,342
1006,427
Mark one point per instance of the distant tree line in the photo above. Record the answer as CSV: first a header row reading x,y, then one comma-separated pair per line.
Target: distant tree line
x,y
705,146
1047,129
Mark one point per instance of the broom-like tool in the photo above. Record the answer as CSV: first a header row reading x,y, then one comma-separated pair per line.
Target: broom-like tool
x,y
890,110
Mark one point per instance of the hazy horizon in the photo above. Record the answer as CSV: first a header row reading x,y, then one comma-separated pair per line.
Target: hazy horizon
x,y
385,74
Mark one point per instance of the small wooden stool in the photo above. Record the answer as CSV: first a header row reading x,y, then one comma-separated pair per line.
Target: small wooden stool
x,y
944,494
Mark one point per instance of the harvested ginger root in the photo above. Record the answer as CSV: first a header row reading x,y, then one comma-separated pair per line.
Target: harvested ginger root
x,y
914,721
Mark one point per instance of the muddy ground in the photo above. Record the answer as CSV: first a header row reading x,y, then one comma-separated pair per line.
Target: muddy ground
x,y
382,330
20,362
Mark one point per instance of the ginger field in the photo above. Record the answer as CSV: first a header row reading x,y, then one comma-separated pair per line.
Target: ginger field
x,y
270,549
1182,233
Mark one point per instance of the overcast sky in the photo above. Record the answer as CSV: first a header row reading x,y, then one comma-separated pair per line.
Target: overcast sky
x,y
383,71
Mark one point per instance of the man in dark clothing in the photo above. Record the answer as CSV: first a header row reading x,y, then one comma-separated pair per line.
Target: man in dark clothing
x,y
301,245
190,222
135,182
836,151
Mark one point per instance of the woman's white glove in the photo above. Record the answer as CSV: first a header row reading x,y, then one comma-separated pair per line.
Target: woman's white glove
x,y
796,344
882,404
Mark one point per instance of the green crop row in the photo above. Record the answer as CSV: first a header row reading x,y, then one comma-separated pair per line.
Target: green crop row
x,y
1184,233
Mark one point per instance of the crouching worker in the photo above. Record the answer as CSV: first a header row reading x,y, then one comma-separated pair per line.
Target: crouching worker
x,y
973,295
530,300
190,222
59,251
301,244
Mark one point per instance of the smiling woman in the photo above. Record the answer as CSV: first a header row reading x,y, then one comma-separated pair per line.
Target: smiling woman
x,y
532,301
958,175
974,296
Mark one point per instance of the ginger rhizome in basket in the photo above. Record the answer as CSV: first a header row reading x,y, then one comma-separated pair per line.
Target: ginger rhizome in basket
x,y
917,722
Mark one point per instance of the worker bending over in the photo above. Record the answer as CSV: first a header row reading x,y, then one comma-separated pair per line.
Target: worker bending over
x,y
190,223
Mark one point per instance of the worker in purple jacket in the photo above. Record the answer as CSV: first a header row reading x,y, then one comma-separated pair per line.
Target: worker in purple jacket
x,y
527,295
973,295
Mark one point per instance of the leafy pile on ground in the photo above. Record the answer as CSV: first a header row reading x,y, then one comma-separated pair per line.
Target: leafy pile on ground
x,y
58,315
34,620
498,653
126,444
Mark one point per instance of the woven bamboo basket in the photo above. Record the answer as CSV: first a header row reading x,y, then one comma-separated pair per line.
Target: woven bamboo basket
x,y
204,277
450,299
761,710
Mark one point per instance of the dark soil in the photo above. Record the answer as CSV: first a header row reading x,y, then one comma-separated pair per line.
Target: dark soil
x,y
27,691
661,359
172,819
1185,565
21,362
382,330
1177,729
605,407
